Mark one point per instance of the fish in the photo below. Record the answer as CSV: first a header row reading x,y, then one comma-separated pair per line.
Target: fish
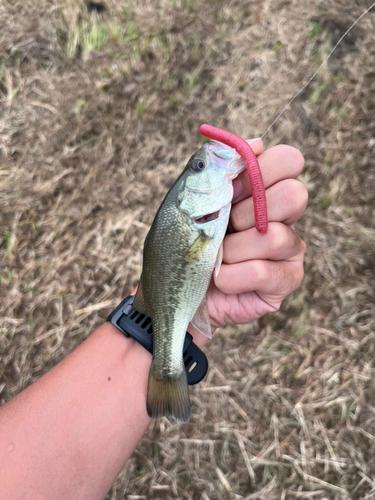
x,y
182,249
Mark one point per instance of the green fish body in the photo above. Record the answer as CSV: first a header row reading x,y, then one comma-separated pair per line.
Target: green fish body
x,y
180,252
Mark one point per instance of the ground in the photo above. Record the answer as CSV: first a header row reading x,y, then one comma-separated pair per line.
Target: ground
x,y
99,111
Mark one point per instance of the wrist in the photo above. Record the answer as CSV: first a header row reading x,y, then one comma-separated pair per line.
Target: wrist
x,y
138,326
131,356
128,366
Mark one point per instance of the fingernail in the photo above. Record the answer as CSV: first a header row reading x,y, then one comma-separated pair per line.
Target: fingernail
x,y
253,141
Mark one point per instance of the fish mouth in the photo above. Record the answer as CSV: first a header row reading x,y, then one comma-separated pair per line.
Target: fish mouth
x,y
207,218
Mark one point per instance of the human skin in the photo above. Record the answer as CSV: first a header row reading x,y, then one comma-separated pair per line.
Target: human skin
x,y
70,433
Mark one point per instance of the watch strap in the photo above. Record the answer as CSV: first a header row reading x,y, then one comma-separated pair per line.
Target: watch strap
x,y
139,326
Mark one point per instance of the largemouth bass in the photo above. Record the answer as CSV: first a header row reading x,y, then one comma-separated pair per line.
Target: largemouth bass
x,y
181,250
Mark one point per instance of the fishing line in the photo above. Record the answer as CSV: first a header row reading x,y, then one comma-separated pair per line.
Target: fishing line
x,y
320,67
247,154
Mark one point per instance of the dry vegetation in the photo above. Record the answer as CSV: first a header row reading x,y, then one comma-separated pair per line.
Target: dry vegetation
x,y
98,113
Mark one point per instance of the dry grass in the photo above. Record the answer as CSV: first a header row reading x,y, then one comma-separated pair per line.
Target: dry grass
x,y
98,113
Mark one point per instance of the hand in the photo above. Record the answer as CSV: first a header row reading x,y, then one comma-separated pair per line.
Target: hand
x,y
260,270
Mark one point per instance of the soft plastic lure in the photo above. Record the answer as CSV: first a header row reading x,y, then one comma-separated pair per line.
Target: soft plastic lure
x,y
252,167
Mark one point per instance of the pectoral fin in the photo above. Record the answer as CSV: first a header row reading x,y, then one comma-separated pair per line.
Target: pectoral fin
x,y
139,303
196,249
219,259
201,320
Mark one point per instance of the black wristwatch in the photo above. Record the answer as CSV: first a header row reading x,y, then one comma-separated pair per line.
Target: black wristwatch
x,y
139,326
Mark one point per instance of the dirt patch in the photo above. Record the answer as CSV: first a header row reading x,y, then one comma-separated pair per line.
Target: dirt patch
x,y
99,111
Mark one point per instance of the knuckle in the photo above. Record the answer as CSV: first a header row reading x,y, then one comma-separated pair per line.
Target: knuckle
x,y
223,280
259,272
298,160
301,194
289,189
277,237
282,277
298,277
294,194
295,159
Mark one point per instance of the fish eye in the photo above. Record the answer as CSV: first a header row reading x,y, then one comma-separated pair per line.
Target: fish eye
x,y
198,165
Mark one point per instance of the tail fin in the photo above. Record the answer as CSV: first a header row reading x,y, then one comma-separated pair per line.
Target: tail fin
x,y
168,395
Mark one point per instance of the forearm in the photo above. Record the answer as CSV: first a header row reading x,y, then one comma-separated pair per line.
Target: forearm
x,y
69,434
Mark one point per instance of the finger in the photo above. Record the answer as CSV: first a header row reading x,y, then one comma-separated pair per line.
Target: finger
x,y
261,276
278,163
256,145
286,202
280,242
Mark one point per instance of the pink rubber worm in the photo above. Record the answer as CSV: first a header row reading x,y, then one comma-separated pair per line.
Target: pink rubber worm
x,y
252,167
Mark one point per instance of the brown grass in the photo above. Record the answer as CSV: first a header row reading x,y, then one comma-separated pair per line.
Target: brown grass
x,y
98,113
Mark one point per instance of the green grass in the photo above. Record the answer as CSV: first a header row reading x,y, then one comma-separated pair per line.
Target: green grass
x,y
86,33
314,30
